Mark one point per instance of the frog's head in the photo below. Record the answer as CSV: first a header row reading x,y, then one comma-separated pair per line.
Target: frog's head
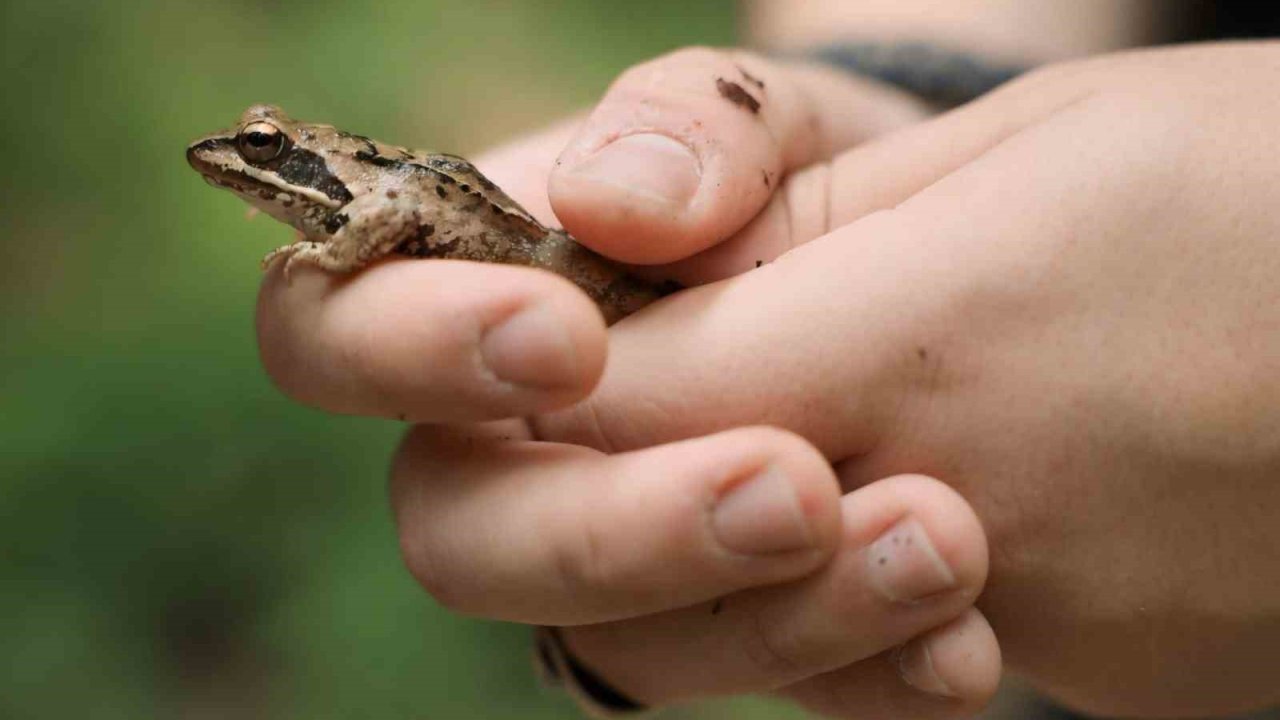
x,y
275,164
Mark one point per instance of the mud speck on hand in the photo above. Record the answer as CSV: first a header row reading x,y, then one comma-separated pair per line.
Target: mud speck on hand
x,y
734,93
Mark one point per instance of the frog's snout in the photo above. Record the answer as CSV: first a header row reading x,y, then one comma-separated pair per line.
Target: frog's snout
x,y
197,153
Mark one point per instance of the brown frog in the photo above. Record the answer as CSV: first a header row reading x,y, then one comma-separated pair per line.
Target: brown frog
x,y
354,200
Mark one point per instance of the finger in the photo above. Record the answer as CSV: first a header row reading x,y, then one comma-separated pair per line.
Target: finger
x,y
949,672
684,150
440,340
881,173
913,557
556,534
769,346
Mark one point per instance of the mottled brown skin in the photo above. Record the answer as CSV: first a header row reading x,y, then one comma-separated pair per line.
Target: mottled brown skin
x,y
355,200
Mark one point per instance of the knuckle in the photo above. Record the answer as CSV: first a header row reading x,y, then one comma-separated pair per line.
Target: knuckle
x,y
804,191
585,565
770,652
592,423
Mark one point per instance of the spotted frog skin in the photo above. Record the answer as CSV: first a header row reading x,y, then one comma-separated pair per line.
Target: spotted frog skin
x,y
354,200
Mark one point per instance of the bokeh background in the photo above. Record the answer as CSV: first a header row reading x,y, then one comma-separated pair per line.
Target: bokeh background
x,y
176,538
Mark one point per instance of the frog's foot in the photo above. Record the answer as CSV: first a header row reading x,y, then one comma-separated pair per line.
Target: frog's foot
x,y
373,226
303,251
282,251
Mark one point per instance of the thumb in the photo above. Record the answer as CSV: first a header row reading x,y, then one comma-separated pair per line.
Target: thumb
x,y
769,346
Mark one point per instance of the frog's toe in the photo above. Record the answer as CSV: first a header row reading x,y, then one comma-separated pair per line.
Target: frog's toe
x,y
272,256
295,260
288,269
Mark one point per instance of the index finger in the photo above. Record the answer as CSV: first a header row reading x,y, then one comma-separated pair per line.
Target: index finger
x,y
430,340
684,150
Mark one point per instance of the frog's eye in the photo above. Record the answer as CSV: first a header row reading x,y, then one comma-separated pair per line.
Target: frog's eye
x,y
260,142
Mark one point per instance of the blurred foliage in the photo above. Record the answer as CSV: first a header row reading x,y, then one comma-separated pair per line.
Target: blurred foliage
x,y
178,539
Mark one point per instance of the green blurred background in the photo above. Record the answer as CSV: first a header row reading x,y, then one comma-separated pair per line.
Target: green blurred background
x,y
178,539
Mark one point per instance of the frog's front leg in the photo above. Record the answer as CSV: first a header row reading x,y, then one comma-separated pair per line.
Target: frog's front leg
x,y
364,230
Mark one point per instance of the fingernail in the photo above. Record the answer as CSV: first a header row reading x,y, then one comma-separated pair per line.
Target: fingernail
x,y
915,665
647,165
531,348
904,566
762,515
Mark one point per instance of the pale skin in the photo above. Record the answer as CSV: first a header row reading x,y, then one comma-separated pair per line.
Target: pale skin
x,y
1060,301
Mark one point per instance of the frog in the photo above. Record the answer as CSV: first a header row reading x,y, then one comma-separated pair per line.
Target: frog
x,y
354,201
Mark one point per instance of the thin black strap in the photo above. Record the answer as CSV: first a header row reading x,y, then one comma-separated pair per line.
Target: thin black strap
x,y
945,77
560,668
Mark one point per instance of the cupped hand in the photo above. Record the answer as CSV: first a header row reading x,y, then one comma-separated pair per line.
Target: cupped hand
x,y
716,564
1060,299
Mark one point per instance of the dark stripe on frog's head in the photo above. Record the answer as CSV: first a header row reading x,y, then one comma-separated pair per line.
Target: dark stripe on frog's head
x,y
296,167
307,169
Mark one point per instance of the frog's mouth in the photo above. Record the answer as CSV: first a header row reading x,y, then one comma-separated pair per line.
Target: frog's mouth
x,y
264,197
